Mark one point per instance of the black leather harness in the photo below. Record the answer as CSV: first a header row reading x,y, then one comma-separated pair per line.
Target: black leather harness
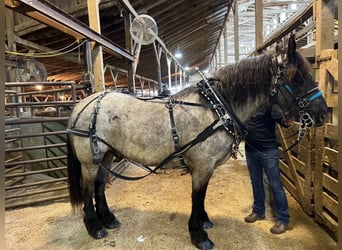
x,y
206,88
227,120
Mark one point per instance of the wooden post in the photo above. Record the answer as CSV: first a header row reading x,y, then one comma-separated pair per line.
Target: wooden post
x,y
97,56
12,76
258,23
324,18
236,32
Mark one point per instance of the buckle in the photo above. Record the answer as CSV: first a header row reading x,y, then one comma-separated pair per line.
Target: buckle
x,y
303,103
175,138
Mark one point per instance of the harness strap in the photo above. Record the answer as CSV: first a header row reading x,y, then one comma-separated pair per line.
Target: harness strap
x,y
125,177
224,111
92,129
207,132
170,104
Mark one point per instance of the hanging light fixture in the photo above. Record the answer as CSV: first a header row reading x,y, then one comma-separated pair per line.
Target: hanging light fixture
x,y
178,54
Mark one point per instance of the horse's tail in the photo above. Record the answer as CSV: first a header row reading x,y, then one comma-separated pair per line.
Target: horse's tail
x,y
74,176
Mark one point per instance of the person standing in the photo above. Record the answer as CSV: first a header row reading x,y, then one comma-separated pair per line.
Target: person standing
x,y
261,149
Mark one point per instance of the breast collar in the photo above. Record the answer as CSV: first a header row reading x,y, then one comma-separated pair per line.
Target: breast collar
x,y
223,109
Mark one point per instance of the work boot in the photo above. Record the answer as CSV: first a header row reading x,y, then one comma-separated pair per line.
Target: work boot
x,y
253,217
279,228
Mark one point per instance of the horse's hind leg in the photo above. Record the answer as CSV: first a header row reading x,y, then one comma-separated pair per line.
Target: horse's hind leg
x,y
199,219
107,218
94,226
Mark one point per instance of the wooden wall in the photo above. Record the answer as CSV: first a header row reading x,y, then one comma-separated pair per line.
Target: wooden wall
x,y
310,170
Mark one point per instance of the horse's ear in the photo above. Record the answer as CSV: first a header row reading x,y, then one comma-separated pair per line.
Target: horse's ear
x,y
291,49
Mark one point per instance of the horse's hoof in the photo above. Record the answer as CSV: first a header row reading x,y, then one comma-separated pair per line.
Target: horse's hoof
x,y
99,234
205,245
112,224
207,224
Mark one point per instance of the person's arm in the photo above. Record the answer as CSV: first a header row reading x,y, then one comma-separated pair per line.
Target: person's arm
x,y
279,117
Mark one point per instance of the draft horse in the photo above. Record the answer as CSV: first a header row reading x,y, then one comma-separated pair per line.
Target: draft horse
x,y
205,122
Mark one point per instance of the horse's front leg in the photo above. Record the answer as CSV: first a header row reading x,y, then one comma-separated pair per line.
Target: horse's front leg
x,y
107,218
199,219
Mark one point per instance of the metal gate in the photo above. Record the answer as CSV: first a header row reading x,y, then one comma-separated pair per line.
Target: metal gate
x,y
35,150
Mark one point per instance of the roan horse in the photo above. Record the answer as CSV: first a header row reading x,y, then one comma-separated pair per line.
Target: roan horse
x,y
207,120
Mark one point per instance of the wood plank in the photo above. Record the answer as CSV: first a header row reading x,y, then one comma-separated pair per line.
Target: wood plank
x,y
330,223
330,183
289,187
330,157
330,203
299,165
288,157
330,62
285,170
331,131
331,99
318,169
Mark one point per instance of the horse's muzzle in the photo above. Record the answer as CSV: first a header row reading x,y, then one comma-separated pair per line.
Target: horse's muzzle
x,y
322,118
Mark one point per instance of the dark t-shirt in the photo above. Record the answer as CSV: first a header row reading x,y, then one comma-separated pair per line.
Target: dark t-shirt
x,y
261,128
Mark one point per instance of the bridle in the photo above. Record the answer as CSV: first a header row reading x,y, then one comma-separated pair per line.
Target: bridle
x,y
303,101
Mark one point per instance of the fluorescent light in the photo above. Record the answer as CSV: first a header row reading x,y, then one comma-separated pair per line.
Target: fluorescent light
x,y
178,54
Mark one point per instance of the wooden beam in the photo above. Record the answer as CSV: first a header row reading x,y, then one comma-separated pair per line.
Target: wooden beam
x,y
97,55
286,28
236,32
10,30
258,23
50,15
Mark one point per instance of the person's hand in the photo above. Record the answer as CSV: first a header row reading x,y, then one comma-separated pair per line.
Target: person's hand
x,y
288,121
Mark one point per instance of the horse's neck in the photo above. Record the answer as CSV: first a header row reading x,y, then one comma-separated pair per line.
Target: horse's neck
x,y
244,111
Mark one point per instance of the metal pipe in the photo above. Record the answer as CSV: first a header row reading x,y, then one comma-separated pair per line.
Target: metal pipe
x,y
34,120
35,135
38,183
36,172
11,150
27,203
11,164
47,190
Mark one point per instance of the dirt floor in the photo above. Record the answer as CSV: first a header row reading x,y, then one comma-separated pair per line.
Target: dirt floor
x,y
154,213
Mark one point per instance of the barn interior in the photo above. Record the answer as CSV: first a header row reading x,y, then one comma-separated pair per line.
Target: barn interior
x,y
58,52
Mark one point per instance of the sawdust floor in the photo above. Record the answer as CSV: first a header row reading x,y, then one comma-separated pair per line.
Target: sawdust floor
x,y
154,213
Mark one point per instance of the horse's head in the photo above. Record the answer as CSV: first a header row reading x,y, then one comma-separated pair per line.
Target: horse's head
x,y
295,90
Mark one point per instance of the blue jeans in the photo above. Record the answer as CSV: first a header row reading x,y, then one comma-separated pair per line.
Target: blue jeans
x,y
268,161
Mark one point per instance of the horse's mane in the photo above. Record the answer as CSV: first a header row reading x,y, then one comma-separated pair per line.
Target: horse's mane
x,y
246,78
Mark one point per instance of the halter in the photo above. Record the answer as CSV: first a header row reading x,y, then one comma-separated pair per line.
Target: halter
x,y
303,101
